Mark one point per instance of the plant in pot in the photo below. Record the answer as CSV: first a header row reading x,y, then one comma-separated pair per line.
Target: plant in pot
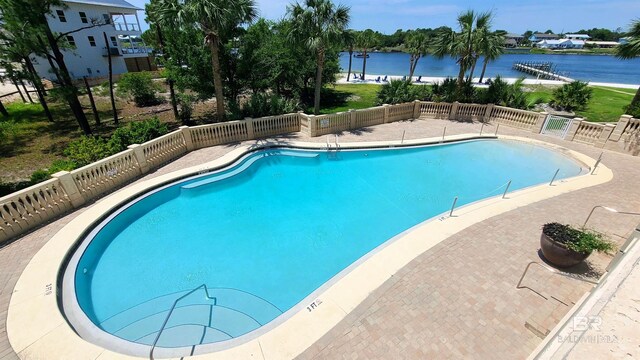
x,y
565,246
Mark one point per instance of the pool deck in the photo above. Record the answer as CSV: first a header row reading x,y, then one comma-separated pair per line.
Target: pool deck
x,y
458,299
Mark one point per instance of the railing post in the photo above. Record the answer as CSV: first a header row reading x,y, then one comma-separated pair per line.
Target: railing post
x,y
417,104
300,119
453,115
385,118
620,127
604,137
575,125
250,129
186,135
138,153
537,128
352,119
313,126
70,187
487,113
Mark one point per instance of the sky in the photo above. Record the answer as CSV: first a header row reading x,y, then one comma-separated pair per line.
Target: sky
x,y
516,16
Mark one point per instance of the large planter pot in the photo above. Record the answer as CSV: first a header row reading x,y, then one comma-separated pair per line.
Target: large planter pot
x,y
557,254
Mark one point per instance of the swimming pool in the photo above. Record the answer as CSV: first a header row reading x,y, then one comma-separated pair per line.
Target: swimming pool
x,y
268,232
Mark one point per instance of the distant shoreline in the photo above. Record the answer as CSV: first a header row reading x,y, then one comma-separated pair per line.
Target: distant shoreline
x,y
512,51
430,80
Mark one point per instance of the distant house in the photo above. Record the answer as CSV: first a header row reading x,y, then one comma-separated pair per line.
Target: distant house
x,y
537,37
583,37
87,56
623,41
561,44
602,44
513,40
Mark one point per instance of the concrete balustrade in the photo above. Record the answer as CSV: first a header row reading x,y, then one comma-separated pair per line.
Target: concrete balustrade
x,y
31,207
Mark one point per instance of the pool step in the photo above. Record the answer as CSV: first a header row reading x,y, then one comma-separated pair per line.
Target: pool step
x,y
232,314
188,325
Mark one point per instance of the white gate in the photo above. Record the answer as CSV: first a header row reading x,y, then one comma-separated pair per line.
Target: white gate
x,y
557,126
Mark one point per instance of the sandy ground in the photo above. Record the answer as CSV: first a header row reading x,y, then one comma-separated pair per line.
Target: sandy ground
x,y
7,88
371,79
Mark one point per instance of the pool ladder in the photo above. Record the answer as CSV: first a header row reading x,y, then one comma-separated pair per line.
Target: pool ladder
x,y
337,145
175,303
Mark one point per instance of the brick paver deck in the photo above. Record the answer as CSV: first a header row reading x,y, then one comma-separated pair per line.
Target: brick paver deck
x,y
456,300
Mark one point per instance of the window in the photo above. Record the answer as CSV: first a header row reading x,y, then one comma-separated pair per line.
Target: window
x,y
71,40
61,16
83,17
92,41
107,18
114,41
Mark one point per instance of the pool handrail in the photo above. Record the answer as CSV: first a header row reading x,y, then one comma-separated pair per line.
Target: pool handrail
x,y
175,303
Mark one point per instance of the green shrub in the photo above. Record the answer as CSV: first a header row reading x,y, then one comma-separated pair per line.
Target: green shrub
x,y
185,107
61,165
136,133
7,130
86,150
401,91
445,91
633,109
572,96
512,95
140,87
582,241
39,176
262,104
8,188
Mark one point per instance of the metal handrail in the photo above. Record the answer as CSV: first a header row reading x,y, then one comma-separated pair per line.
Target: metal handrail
x,y
175,303
519,286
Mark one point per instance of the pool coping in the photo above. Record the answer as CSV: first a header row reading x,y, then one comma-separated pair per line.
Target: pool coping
x,y
36,327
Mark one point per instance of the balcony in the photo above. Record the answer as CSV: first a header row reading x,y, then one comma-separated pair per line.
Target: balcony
x,y
121,26
133,51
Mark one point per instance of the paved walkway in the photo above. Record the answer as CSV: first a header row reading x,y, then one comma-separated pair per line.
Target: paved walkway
x,y
458,299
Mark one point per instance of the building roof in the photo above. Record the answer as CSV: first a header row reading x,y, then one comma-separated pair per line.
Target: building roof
x,y
583,36
545,36
603,42
111,3
514,36
562,41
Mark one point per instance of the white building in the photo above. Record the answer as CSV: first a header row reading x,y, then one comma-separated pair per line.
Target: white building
x,y
583,37
561,44
118,19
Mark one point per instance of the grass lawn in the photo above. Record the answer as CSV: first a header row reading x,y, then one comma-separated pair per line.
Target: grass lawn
x,y
606,103
343,97
28,141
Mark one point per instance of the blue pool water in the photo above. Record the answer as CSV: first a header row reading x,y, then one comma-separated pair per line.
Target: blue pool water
x,y
595,68
266,233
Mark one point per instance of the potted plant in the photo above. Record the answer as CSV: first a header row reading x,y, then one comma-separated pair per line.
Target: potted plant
x,y
565,246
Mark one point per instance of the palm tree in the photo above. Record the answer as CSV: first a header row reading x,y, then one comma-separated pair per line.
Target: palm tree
x,y
349,39
418,47
321,25
214,18
491,47
631,50
463,45
153,9
366,40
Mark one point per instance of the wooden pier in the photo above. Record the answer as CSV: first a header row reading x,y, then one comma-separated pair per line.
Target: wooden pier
x,y
541,70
